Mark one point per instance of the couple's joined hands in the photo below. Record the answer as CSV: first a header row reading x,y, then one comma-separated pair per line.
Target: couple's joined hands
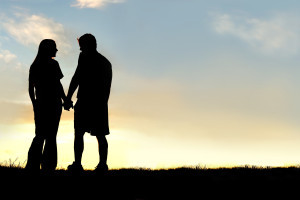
x,y
68,103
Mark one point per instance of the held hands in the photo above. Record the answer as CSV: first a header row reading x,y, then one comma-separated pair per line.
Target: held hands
x,y
68,103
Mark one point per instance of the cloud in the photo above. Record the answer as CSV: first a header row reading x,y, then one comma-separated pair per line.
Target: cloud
x,y
7,56
13,78
13,75
32,29
94,3
277,34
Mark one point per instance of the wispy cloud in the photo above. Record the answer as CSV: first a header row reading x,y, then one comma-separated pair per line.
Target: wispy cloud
x,y
279,33
13,78
94,3
6,56
31,29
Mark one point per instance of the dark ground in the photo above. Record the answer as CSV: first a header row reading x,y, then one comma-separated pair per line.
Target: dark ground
x,y
180,183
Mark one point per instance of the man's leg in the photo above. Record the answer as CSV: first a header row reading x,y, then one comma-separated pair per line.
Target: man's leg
x,y
103,149
78,146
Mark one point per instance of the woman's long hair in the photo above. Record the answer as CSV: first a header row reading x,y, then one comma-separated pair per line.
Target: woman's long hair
x,y
45,50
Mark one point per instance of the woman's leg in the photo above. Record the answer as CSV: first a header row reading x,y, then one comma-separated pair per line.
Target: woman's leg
x,y
36,148
35,153
49,160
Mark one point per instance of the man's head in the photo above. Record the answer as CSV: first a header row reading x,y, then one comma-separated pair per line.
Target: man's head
x,y
87,42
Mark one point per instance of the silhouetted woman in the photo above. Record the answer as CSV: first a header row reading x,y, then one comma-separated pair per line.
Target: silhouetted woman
x,y
46,94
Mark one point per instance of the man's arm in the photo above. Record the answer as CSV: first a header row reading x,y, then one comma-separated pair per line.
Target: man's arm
x,y
73,86
31,92
68,103
75,80
108,82
62,92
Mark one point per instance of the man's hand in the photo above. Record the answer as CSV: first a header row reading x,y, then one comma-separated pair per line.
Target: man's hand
x,y
68,104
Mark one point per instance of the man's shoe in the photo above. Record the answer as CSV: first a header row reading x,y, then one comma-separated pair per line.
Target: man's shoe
x,y
101,169
75,168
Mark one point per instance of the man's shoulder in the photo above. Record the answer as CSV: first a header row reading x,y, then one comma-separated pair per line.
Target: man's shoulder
x,y
100,55
103,58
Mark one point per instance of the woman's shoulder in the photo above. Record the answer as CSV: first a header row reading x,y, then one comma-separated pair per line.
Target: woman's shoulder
x,y
53,62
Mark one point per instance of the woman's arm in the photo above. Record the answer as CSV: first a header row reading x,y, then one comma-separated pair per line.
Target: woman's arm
x,y
67,102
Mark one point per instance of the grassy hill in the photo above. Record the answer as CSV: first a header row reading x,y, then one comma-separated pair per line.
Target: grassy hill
x,y
214,174
184,182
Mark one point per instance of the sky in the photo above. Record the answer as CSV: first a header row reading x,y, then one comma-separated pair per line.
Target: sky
x,y
195,83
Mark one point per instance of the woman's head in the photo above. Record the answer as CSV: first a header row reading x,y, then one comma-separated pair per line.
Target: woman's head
x,y
87,42
47,48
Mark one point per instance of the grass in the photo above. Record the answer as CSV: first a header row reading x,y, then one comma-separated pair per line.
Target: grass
x,y
145,183
14,168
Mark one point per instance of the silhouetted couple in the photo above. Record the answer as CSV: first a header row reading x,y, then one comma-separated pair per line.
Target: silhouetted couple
x,y
93,78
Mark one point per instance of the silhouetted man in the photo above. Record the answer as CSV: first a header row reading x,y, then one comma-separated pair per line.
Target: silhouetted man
x,y
93,77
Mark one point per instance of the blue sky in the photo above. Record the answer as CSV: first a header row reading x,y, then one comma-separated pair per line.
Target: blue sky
x,y
212,82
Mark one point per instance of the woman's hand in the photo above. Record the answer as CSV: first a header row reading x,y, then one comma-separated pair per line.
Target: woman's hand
x,y
68,103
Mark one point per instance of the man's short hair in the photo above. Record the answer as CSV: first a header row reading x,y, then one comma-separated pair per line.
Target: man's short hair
x,y
88,41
